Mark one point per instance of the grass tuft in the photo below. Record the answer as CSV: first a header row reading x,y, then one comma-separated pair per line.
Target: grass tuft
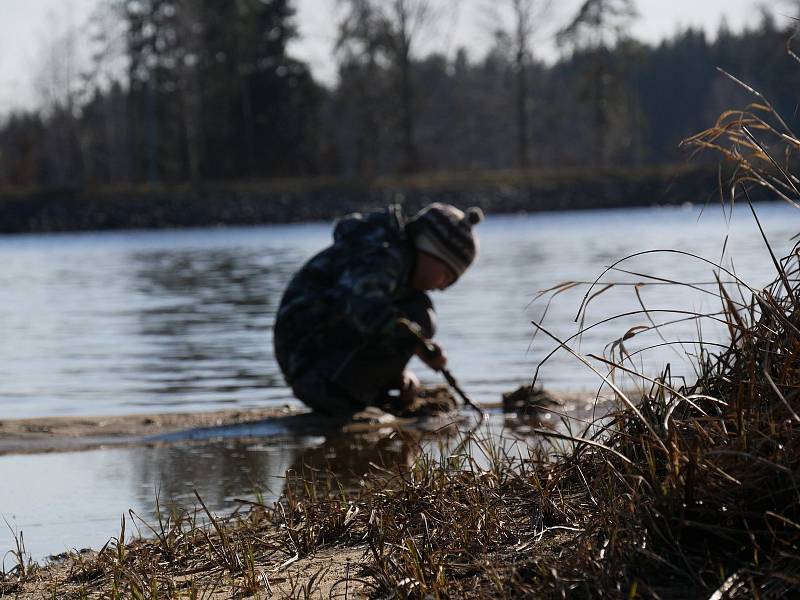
x,y
686,490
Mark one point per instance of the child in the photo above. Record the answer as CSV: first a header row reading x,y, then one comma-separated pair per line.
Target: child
x,y
337,336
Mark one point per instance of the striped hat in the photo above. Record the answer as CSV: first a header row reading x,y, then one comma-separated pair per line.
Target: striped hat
x,y
445,232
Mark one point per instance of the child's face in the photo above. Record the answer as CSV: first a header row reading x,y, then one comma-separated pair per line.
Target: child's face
x,y
431,273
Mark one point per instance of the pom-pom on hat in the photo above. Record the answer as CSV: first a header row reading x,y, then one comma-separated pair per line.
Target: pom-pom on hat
x,y
444,231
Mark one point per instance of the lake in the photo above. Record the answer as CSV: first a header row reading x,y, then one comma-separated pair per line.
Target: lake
x,y
173,321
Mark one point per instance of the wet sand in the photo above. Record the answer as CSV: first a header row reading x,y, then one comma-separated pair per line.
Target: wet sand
x,y
333,565
68,434
58,434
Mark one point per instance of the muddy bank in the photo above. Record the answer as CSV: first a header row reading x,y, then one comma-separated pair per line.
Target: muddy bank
x,y
320,539
52,434
63,434
249,203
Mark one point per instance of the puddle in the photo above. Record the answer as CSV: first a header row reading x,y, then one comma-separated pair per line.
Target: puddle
x,y
74,500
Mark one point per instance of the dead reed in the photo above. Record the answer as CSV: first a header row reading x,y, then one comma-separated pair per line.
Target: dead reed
x,y
685,491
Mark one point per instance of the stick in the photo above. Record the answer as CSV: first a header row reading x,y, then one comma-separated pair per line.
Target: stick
x,y
431,352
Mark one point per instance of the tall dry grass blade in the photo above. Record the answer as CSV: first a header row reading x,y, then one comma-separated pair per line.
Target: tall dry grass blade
x,y
656,251
691,315
611,384
556,290
548,433
587,299
654,381
778,268
766,153
758,94
781,397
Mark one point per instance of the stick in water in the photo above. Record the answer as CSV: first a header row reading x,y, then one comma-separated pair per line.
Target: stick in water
x,y
430,350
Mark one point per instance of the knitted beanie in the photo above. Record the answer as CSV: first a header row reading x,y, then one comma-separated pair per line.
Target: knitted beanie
x,y
445,232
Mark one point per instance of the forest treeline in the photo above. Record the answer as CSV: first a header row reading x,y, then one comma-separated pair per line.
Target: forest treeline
x,y
202,90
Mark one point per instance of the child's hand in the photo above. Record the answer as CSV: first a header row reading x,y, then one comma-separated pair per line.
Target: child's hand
x,y
434,356
409,387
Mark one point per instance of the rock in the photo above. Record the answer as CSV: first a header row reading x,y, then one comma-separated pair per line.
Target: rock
x,y
525,400
430,401
373,416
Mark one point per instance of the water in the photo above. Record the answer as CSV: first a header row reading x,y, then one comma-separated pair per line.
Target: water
x,y
74,500
142,322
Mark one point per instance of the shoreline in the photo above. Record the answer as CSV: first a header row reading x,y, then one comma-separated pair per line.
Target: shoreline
x,y
39,435
281,568
259,202
66,434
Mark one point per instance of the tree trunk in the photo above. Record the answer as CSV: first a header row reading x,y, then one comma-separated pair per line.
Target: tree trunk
x,y
403,49
522,113
152,129
248,123
407,112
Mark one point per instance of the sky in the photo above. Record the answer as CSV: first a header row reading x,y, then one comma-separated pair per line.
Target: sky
x,y
26,25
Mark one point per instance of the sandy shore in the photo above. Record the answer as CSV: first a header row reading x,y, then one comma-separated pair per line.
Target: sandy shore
x,y
57,434
65,434
328,566
330,572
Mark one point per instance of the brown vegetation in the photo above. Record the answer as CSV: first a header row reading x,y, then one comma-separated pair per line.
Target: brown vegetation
x,y
688,491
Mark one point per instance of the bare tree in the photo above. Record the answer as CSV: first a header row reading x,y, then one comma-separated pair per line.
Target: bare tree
x,y
598,26
520,21
56,77
104,75
190,29
360,43
391,30
57,83
409,17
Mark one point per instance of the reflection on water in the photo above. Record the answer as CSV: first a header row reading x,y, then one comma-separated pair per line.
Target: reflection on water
x,y
144,321
74,500
115,323
209,329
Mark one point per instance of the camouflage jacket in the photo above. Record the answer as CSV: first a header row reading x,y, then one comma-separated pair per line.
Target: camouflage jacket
x,y
347,295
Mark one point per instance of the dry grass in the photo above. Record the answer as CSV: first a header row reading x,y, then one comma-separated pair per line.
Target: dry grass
x,y
685,491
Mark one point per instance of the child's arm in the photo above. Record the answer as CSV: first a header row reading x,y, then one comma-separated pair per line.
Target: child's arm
x,y
366,290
